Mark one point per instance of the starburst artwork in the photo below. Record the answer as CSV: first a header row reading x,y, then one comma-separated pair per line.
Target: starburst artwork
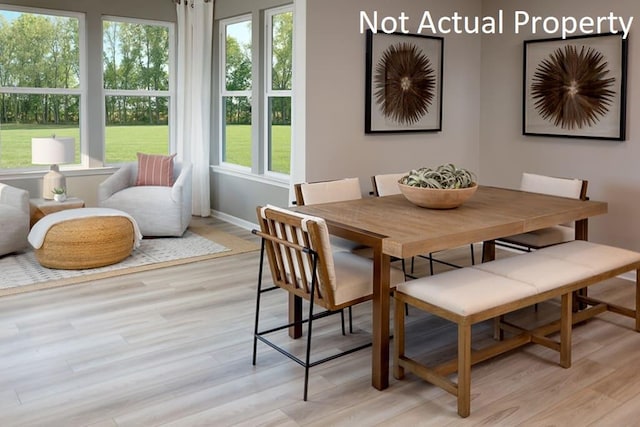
x,y
575,87
572,87
405,83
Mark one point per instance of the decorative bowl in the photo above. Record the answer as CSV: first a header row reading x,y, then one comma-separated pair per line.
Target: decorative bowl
x,y
437,198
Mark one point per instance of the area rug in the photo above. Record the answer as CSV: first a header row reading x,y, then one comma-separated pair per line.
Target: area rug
x,y
22,272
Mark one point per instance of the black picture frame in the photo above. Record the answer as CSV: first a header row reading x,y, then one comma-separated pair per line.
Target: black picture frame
x,y
392,104
559,102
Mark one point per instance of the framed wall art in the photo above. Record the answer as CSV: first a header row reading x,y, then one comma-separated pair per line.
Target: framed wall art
x,y
575,87
403,83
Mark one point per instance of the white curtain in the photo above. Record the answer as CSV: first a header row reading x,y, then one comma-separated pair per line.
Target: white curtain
x,y
195,42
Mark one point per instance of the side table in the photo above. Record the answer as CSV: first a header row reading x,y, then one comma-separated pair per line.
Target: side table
x,y
41,207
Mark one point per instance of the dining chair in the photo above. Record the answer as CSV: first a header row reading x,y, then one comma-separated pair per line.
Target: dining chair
x,y
386,185
339,190
554,186
302,262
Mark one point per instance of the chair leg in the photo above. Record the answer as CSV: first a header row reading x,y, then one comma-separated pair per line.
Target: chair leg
x,y
255,325
350,320
431,263
307,364
473,255
342,321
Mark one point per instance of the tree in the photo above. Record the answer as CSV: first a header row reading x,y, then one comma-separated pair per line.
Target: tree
x,y
237,78
282,66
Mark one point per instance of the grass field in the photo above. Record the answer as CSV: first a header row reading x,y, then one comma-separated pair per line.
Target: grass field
x,y
238,147
123,142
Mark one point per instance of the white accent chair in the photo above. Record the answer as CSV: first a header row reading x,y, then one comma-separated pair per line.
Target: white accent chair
x,y
158,210
562,187
14,219
302,262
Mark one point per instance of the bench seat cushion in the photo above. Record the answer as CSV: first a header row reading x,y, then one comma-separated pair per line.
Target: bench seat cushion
x,y
464,291
599,258
542,271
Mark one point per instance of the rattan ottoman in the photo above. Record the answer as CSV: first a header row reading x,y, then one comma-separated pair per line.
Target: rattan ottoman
x,y
78,239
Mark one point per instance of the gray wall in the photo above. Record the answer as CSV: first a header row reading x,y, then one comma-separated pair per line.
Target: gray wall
x,y
336,143
610,166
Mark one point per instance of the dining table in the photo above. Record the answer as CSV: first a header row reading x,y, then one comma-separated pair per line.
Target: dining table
x,y
394,227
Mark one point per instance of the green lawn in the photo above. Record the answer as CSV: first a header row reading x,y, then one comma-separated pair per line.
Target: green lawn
x,y
124,141
238,147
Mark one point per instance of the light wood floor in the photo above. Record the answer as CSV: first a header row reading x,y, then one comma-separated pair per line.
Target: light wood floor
x,y
173,347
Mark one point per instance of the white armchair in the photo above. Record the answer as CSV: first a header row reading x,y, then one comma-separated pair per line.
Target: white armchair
x,y
14,219
159,211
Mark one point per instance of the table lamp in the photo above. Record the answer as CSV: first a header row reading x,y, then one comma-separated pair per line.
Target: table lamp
x,y
52,151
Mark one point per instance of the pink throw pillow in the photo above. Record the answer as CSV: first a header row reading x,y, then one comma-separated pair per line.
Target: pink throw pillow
x,y
155,169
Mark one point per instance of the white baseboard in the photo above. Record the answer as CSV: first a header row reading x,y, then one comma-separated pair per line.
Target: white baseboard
x,y
247,225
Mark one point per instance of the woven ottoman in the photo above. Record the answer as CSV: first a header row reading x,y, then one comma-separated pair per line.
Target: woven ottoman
x,y
77,239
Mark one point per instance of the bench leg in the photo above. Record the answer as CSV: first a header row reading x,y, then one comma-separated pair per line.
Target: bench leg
x,y
565,330
464,369
398,339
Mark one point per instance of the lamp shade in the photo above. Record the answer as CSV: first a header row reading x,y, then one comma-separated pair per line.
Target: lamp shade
x,y
53,151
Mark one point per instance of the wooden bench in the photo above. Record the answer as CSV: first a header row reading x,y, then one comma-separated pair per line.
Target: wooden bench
x,y
490,290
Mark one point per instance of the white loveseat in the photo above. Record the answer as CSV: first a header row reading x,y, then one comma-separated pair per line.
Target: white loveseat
x,y
158,210
14,219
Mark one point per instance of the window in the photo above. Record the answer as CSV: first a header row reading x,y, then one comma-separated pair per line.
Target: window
x,y
257,141
41,80
137,65
236,92
279,35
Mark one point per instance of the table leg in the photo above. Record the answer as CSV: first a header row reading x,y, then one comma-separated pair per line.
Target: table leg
x,y
488,250
582,229
581,233
381,307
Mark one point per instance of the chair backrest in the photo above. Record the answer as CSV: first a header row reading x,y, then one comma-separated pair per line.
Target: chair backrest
x,y
553,186
291,239
312,193
386,184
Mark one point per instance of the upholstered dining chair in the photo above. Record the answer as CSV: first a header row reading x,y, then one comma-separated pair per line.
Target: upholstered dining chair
x,y
554,186
339,190
302,262
14,219
386,185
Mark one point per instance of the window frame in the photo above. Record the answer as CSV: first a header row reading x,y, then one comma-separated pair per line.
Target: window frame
x,y
269,92
222,84
80,91
170,93
261,91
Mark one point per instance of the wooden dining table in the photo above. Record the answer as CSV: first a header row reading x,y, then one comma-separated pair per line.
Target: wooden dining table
x,y
394,227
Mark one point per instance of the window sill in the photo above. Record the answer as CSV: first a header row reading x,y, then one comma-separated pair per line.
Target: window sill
x,y
264,179
19,175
